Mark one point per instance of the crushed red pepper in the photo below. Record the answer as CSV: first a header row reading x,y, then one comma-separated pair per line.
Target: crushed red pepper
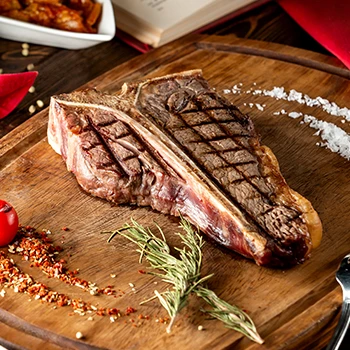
x,y
38,248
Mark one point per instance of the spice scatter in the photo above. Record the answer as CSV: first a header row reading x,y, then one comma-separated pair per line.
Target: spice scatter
x,y
38,249
333,137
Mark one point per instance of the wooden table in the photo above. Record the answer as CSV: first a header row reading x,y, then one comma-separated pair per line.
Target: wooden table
x,y
268,23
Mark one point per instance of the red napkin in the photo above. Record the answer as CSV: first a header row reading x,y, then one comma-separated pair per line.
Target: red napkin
x,y
327,21
13,87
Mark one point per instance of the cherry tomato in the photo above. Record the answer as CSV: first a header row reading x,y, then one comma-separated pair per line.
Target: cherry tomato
x,y
8,223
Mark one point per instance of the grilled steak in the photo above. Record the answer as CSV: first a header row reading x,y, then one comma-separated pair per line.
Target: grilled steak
x,y
174,144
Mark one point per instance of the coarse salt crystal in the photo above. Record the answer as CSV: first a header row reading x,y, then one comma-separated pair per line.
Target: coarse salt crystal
x,y
257,92
294,115
259,107
335,138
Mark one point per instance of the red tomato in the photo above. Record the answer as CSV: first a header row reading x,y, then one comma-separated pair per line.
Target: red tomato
x,y
8,223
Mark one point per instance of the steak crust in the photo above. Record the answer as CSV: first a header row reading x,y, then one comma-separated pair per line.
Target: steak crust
x,y
174,144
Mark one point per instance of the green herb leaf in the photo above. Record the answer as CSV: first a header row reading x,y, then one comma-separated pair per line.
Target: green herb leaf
x,y
184,274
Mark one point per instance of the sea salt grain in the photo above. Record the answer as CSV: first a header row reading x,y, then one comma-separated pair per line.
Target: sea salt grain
x,y
335,138
259,107
295,115
329,107
236,89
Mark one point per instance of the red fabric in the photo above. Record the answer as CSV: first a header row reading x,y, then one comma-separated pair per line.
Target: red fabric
x,y
327,21
13,87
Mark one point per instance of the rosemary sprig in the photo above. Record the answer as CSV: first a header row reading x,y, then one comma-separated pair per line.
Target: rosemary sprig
x,y
230,315
184,273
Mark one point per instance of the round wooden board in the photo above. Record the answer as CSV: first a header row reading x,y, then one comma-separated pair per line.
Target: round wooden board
x,y
285,305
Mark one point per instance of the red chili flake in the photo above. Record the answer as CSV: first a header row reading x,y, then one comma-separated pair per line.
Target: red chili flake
x,y
130,310
100,312
112,311
142,272
65,228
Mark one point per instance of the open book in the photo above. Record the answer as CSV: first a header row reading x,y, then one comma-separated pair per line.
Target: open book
x,y
157,22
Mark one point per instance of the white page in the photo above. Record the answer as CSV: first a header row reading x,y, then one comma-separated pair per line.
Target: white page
x,y
162,14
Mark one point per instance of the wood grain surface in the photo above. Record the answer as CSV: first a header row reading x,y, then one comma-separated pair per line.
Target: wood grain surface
x,y
294,308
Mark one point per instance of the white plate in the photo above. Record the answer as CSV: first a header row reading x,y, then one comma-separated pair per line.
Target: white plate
x,y
31,33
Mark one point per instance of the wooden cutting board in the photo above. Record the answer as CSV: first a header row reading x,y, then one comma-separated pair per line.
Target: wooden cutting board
x,y
292,309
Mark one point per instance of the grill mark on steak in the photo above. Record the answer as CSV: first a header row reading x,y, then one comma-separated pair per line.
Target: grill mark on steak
x,y
217,180
137,148
239,163
216,151
207,132
107,149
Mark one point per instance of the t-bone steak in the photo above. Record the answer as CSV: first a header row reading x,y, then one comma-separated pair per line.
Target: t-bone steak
x,y
175,144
